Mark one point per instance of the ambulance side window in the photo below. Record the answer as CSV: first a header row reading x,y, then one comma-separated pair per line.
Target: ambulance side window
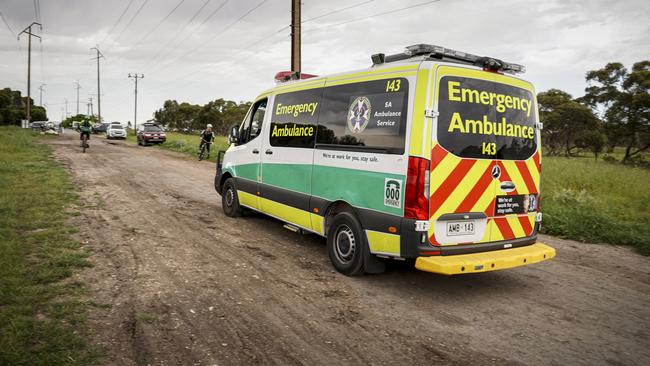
x,y
252,126
294,117
364,116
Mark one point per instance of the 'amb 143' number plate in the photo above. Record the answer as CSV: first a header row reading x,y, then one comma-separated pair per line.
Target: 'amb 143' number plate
x,y
455,228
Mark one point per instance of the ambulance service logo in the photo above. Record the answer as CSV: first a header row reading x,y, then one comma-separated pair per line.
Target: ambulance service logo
x,y
359,114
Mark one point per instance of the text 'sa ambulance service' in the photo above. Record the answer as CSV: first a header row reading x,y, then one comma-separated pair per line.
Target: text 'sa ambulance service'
x,y
431,155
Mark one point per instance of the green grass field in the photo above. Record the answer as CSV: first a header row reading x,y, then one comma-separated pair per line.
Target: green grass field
x,y
594,201
40,313
187,144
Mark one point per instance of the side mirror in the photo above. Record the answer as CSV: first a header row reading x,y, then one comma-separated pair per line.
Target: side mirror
x,y
234,135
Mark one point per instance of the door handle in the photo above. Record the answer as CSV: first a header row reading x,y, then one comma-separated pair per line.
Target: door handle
x,y
269,152
255,151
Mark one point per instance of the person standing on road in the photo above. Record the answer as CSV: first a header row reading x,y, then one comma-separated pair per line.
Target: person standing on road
x,y
207,136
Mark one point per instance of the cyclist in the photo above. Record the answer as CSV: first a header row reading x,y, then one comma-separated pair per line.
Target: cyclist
x,y
207,136
84,129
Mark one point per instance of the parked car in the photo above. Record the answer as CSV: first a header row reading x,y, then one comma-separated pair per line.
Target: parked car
x,y
151,134
38,125
115,131
100,127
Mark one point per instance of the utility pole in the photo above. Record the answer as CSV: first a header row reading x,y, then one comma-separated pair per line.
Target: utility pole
x,y
99,98
135,118
77,86
66,107
295,37
40,88
28,31
90,103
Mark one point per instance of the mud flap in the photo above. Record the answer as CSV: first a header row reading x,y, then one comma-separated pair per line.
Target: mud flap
x,y
372,264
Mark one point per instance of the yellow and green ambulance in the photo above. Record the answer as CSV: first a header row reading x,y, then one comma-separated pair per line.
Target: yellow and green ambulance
x,y
431,155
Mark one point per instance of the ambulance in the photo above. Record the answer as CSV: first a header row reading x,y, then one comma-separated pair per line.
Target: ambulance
x,y
431,155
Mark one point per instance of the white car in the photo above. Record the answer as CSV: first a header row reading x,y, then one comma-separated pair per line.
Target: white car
x,y
115,131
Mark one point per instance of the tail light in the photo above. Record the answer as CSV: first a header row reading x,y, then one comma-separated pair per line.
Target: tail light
x,y
416,201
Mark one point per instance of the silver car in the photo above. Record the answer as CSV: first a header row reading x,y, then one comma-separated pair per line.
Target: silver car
x,y
115,131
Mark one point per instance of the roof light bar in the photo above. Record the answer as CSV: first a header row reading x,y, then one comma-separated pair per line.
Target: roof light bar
x,y
438,52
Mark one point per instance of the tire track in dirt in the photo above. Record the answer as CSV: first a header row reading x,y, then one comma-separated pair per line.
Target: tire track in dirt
x,y
189,286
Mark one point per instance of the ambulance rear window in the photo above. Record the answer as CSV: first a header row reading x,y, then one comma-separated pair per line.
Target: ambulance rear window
x,y
365,116
486,119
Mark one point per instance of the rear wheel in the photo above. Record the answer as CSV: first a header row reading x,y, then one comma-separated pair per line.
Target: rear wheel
x,y
346,244
229,200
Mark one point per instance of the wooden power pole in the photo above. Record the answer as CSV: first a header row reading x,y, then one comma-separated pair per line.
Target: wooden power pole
x,y
295,37
29,33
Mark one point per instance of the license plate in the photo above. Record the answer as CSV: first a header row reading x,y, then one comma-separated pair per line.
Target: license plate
x,y
155,139
456,228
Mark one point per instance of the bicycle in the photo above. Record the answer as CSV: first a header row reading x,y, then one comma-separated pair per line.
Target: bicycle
x,y
204,150
84,143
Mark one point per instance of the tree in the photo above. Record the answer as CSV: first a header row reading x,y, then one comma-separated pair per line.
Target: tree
x,y
625,101
565,120
220,113
78,118
593,140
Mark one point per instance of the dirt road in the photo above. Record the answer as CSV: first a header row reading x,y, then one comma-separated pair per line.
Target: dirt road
x,y
188,286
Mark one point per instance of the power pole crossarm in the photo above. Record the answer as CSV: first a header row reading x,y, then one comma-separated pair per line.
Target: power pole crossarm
x,y
29,33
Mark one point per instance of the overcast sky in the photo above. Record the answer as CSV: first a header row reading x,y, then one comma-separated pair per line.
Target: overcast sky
x,y
209,49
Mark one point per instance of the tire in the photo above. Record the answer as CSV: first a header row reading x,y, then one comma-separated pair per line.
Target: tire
x,y
229,200
202,153
346,244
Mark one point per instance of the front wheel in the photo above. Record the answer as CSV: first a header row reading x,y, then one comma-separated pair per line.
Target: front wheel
x,y
346,244
202,153
229,200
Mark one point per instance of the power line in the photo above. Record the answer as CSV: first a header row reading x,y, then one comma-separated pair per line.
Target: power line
x,y
132,19
314,29
337,11
117,22
219,32
159,23
37,15
372,16
177,34
20,48
7,24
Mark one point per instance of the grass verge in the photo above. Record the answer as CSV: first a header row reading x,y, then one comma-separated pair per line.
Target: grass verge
x,y
595,201
187,144
40,309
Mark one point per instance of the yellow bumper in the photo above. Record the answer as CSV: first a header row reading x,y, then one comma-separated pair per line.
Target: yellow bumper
x,y
486,261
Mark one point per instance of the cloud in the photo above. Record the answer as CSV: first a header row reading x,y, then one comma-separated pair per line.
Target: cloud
x,y
225,56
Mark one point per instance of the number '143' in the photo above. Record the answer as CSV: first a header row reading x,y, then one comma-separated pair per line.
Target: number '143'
x,y
489,148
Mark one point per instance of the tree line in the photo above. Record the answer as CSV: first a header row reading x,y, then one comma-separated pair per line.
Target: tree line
x,y
220,113
13,108
614,112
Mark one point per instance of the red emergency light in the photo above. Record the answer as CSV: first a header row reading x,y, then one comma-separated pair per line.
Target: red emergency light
x,y
284,76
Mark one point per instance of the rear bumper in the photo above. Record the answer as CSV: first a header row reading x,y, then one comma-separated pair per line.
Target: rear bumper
x,y
485,261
